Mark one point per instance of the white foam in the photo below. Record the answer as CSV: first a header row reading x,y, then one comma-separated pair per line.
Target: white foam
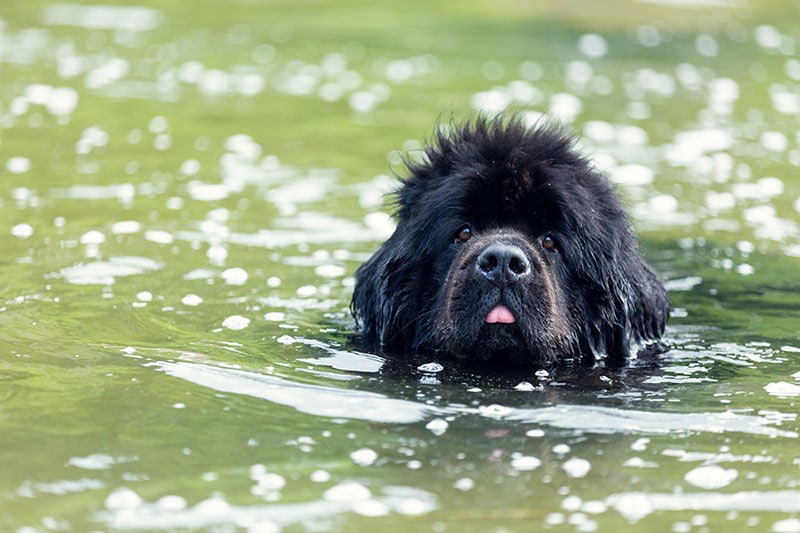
x,y
18,165
577,467
437,426
235,276
22,231
235,322
364,456
192,300
711,477
525,462
592,45
106,272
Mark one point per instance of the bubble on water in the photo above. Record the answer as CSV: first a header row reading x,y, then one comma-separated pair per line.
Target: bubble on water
x,y
571,503
565,106
711,477
767,36
380,223
18,165
782,389
370,508
250,84
430,368
720,201
688,146
774,140
363,101
706,45
307,291
329,271
192,300
364,456
495,411
535,433
214,82
215,506
491,102
464,484
286,340
275,316
22,231
576,467
599,131
784,100
437,426
722,93
346,492
144,296
398,71
525,462
561,449
162,141
121,499
171,503
632,175
92,237
592,45
273,282
159,236
62,101
235,322
789,525
235,276
320,476
125,227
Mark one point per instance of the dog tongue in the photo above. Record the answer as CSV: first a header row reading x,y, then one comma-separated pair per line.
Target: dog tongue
x,y
500,315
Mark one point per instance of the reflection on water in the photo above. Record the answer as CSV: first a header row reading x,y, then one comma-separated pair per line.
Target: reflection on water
x,y
185,194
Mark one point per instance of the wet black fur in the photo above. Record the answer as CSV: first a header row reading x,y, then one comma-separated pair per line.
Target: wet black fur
x,y
594,299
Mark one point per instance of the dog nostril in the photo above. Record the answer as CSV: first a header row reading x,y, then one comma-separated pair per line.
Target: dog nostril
x,y
487,262
518,265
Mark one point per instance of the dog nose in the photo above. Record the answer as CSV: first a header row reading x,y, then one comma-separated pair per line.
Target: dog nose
x,y
503,264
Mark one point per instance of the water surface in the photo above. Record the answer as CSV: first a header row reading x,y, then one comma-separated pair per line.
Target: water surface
x,y
187,189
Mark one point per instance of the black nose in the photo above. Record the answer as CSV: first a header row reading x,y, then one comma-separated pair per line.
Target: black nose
x,y
503,264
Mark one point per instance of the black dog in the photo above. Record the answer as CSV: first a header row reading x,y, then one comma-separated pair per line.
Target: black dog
x,y
510,250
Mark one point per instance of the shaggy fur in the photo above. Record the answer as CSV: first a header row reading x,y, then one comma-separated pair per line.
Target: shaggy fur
x,y
510,250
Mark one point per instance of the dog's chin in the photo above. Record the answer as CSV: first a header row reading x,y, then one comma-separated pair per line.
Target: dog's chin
x,y
499,345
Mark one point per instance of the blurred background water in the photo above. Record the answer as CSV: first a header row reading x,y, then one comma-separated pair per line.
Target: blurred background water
x,y
186,189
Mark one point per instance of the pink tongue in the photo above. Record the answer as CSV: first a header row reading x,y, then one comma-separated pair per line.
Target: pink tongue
x,y
500,315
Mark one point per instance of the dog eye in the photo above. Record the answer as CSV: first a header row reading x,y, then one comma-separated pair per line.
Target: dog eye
x,y
464,234
549,242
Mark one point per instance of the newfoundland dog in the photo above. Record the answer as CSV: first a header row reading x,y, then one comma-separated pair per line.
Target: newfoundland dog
x,y
510,250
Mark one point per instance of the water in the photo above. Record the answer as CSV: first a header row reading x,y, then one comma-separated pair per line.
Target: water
x,y
185,194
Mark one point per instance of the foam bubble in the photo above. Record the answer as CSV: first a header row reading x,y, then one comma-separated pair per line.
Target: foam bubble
x,y
192,300
577,467
592,45
711,477
235,322
18,165
437,426
364,456
22,231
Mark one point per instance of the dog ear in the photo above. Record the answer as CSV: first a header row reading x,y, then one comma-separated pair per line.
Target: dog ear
x,y
377,295
627,309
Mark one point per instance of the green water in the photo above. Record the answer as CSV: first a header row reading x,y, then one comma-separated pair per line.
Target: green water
x,y
186,189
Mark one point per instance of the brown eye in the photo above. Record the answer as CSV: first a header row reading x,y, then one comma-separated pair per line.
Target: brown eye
x,y
549,243
464,234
